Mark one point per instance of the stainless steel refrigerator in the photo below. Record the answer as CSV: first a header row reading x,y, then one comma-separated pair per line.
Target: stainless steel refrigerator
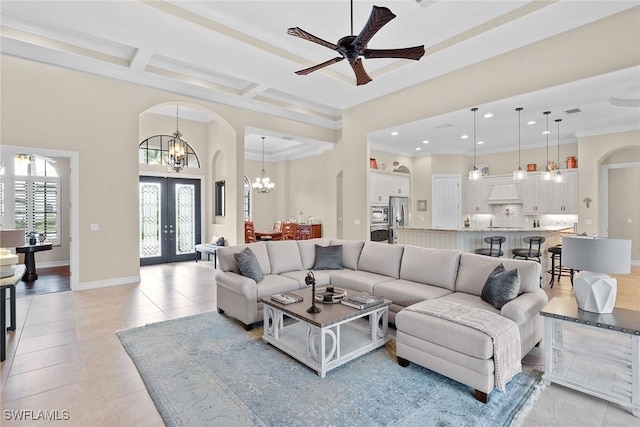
x,y
398,216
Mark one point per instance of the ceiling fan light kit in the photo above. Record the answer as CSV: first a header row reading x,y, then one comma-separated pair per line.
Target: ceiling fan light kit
x,y
353,48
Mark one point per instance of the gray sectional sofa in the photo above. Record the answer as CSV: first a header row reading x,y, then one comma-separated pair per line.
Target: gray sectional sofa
x,y
406,275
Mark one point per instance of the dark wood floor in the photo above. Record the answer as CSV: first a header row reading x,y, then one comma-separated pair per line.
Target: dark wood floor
x,y
52,279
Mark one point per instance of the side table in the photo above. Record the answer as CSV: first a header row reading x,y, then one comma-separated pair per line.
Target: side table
x,y
597,354
29,252
8,283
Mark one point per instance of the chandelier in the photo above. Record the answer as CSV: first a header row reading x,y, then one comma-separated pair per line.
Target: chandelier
x,y
177,156
263,184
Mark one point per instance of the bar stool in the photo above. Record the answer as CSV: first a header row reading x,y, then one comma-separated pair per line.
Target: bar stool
x,y
559,270
496,252
533,252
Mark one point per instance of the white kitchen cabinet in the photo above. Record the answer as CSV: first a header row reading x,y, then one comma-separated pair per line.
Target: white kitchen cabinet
x,y
477,196
382,185
535,195
563,196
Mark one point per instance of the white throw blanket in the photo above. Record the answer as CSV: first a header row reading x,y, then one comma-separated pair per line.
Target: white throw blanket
x,y
503,332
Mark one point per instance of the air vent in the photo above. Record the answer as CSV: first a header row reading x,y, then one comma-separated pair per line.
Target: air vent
x,y
444,126
573,110
288,138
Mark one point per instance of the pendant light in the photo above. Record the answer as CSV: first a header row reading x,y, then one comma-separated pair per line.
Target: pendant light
x,y
558,175
519,174
547,175
263,184
177,155
475,173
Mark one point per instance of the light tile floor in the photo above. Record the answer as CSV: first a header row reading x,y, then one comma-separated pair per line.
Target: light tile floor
x,y
64,355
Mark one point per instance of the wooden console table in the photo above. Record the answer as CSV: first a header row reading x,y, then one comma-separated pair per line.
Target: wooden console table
x,y
30,259
597,354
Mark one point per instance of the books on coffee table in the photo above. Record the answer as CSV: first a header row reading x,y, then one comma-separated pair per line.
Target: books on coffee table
x,y
361,300
286,298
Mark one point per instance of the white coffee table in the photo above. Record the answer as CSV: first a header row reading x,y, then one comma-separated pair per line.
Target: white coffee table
x,y
325,340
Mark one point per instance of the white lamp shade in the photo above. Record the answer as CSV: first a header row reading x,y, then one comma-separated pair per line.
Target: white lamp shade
x,y
11,238
597,254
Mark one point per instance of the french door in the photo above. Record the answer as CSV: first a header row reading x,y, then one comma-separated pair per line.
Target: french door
x,y
169,219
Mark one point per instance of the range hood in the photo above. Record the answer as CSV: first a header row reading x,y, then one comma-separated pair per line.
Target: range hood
x,y
503,194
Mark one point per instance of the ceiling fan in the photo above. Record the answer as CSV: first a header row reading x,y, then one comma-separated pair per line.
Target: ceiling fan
x,y
353,47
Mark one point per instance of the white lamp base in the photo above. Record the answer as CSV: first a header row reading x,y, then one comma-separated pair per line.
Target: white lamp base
x,y
595,292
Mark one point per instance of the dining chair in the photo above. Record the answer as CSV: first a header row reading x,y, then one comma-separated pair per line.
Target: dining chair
x,y
249,232
288,231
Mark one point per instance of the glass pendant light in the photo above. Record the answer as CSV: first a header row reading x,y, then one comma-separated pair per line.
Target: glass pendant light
x,y
519,174
475,173
558,176
547,175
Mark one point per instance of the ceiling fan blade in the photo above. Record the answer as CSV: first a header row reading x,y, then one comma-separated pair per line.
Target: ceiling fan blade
x,y
362,78
414,53
319,66
378,18
299,32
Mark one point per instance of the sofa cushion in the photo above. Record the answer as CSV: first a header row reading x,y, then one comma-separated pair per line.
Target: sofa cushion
x,y
276,284
322,278
501,286
308,251
284,256
227,262
437,267
328,257
249,265
351,250
358,280
474,269
381,258
405,293
444,333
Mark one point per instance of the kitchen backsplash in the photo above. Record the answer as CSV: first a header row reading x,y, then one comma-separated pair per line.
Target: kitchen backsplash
x,y
512,216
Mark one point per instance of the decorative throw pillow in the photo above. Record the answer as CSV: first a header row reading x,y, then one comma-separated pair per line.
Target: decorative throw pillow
x,y
501,286
328,257
249,265
220,242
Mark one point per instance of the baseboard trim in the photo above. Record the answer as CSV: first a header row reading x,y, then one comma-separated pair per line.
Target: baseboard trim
x,y
109,282
63,263
635,262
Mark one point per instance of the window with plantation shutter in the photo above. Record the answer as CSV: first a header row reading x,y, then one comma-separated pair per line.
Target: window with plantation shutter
x,y
35,203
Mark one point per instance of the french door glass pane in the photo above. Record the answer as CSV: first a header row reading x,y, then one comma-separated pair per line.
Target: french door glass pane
x,y
185,218
150,219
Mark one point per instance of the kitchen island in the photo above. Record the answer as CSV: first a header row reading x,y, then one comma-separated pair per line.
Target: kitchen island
x,y
470,239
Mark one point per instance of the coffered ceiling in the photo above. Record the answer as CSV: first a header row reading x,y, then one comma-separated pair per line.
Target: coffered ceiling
x,y
238,53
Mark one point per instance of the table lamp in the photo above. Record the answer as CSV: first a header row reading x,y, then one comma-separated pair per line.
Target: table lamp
x,y
9,239
595,291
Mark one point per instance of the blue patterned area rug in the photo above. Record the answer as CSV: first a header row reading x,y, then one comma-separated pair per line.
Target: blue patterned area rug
x,y
205,370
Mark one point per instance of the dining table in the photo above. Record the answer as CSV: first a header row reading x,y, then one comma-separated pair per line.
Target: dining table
x,y
271,235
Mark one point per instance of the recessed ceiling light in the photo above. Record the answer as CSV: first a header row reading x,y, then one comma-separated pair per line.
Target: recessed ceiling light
x,y
394,133
488,115
418,148
480,142
531,122
464,137
546,132
426,141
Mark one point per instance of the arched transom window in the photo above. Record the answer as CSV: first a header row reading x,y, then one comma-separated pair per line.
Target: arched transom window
x,y
155,151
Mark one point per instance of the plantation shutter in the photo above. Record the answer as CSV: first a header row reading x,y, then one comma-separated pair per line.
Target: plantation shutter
x,y
21,205
36,206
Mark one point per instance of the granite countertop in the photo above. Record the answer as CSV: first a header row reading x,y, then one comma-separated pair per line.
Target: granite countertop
x,y
494,229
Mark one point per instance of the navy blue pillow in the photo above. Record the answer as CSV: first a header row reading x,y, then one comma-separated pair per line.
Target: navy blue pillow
x,y
328,257
249,265
501,286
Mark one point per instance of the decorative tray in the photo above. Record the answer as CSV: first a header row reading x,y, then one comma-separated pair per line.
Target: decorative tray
x,y
330,295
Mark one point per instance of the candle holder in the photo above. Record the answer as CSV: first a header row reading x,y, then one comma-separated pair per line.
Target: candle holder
x,y
311,280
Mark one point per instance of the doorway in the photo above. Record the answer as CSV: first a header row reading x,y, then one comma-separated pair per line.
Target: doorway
x,y
170,219
446,202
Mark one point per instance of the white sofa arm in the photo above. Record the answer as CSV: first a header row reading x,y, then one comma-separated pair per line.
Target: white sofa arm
x,y
525,306
237,283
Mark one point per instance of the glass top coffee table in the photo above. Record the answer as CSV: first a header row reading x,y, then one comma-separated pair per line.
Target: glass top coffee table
x,y
325,340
